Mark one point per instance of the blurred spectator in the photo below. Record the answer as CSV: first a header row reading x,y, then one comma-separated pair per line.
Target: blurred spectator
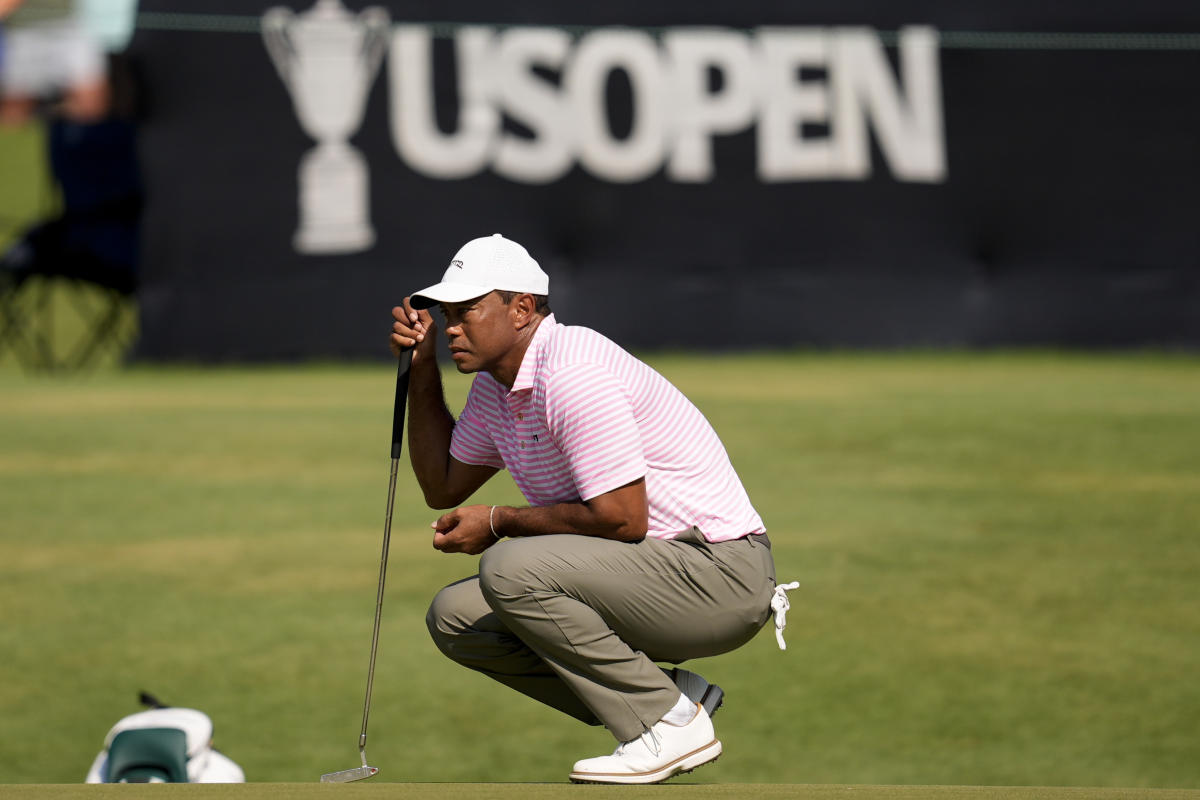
x,y
50,57
95,237
55,70
110,21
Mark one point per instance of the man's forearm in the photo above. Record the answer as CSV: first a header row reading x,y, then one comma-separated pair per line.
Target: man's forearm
x,y
430,426
621,514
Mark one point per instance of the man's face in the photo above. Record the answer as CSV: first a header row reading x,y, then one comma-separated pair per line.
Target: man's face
x,y
480,332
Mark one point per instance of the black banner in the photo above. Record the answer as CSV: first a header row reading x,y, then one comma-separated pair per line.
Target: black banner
x,y
759,175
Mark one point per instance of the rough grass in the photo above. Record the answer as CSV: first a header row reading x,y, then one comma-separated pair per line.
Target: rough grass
x,y
998,557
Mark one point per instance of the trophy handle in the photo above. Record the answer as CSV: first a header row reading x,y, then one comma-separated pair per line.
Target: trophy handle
x,y
276,23
377,24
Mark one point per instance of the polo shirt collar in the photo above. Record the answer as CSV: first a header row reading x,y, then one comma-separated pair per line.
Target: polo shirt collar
x,y
532,357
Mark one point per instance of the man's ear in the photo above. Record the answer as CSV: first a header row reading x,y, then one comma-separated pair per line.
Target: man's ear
x,y
523,308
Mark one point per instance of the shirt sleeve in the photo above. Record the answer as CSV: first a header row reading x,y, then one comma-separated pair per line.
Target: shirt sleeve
x,y
471,442
590,418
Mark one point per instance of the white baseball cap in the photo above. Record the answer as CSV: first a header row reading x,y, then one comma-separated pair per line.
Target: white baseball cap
x,y
484,265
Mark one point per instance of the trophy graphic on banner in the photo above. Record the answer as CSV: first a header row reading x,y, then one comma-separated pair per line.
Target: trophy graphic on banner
x,y
328,58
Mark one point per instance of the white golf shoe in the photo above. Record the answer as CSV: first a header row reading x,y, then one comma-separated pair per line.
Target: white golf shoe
x,y
659,753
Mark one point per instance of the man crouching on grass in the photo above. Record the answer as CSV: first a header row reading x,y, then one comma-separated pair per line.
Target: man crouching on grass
x,y
639,543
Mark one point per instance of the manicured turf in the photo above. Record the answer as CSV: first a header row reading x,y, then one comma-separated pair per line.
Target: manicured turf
x,y
998,557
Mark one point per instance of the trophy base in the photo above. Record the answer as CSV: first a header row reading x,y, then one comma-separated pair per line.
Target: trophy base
x,y
333,239
334,201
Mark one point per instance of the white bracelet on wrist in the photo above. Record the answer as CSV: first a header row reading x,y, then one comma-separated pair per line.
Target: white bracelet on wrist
x,y
492,524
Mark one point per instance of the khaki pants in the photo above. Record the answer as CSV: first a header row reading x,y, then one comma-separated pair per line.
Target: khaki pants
x,y
577,622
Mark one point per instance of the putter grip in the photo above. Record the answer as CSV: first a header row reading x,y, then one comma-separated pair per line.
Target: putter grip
x,y
405,361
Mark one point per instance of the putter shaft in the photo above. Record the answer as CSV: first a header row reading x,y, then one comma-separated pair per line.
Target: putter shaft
x,y
365,771
383,559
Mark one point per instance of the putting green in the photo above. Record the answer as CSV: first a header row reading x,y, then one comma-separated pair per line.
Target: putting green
x,y
997,555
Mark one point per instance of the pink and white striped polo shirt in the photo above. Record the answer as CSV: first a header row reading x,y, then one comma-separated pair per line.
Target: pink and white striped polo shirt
x,y
585,417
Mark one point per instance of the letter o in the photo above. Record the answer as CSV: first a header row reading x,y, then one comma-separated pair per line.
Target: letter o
x,y
640,154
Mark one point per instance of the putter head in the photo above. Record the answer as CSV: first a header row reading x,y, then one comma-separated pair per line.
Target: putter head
x,y
347,775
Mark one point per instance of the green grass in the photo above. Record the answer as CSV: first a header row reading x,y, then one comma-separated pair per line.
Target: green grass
x,y
26,193
999,560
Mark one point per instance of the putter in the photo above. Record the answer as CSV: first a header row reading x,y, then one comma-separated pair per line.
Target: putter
x,y
366,771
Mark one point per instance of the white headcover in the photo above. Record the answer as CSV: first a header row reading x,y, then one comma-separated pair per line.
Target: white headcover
x,y
204,765
196,726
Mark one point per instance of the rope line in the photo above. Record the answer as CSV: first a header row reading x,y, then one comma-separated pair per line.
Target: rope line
x,y
948,40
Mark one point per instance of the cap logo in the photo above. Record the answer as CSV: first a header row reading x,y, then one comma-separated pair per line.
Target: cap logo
x,y
456,263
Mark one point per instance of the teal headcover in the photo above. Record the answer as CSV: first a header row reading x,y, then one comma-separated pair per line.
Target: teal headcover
x,y
147,754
